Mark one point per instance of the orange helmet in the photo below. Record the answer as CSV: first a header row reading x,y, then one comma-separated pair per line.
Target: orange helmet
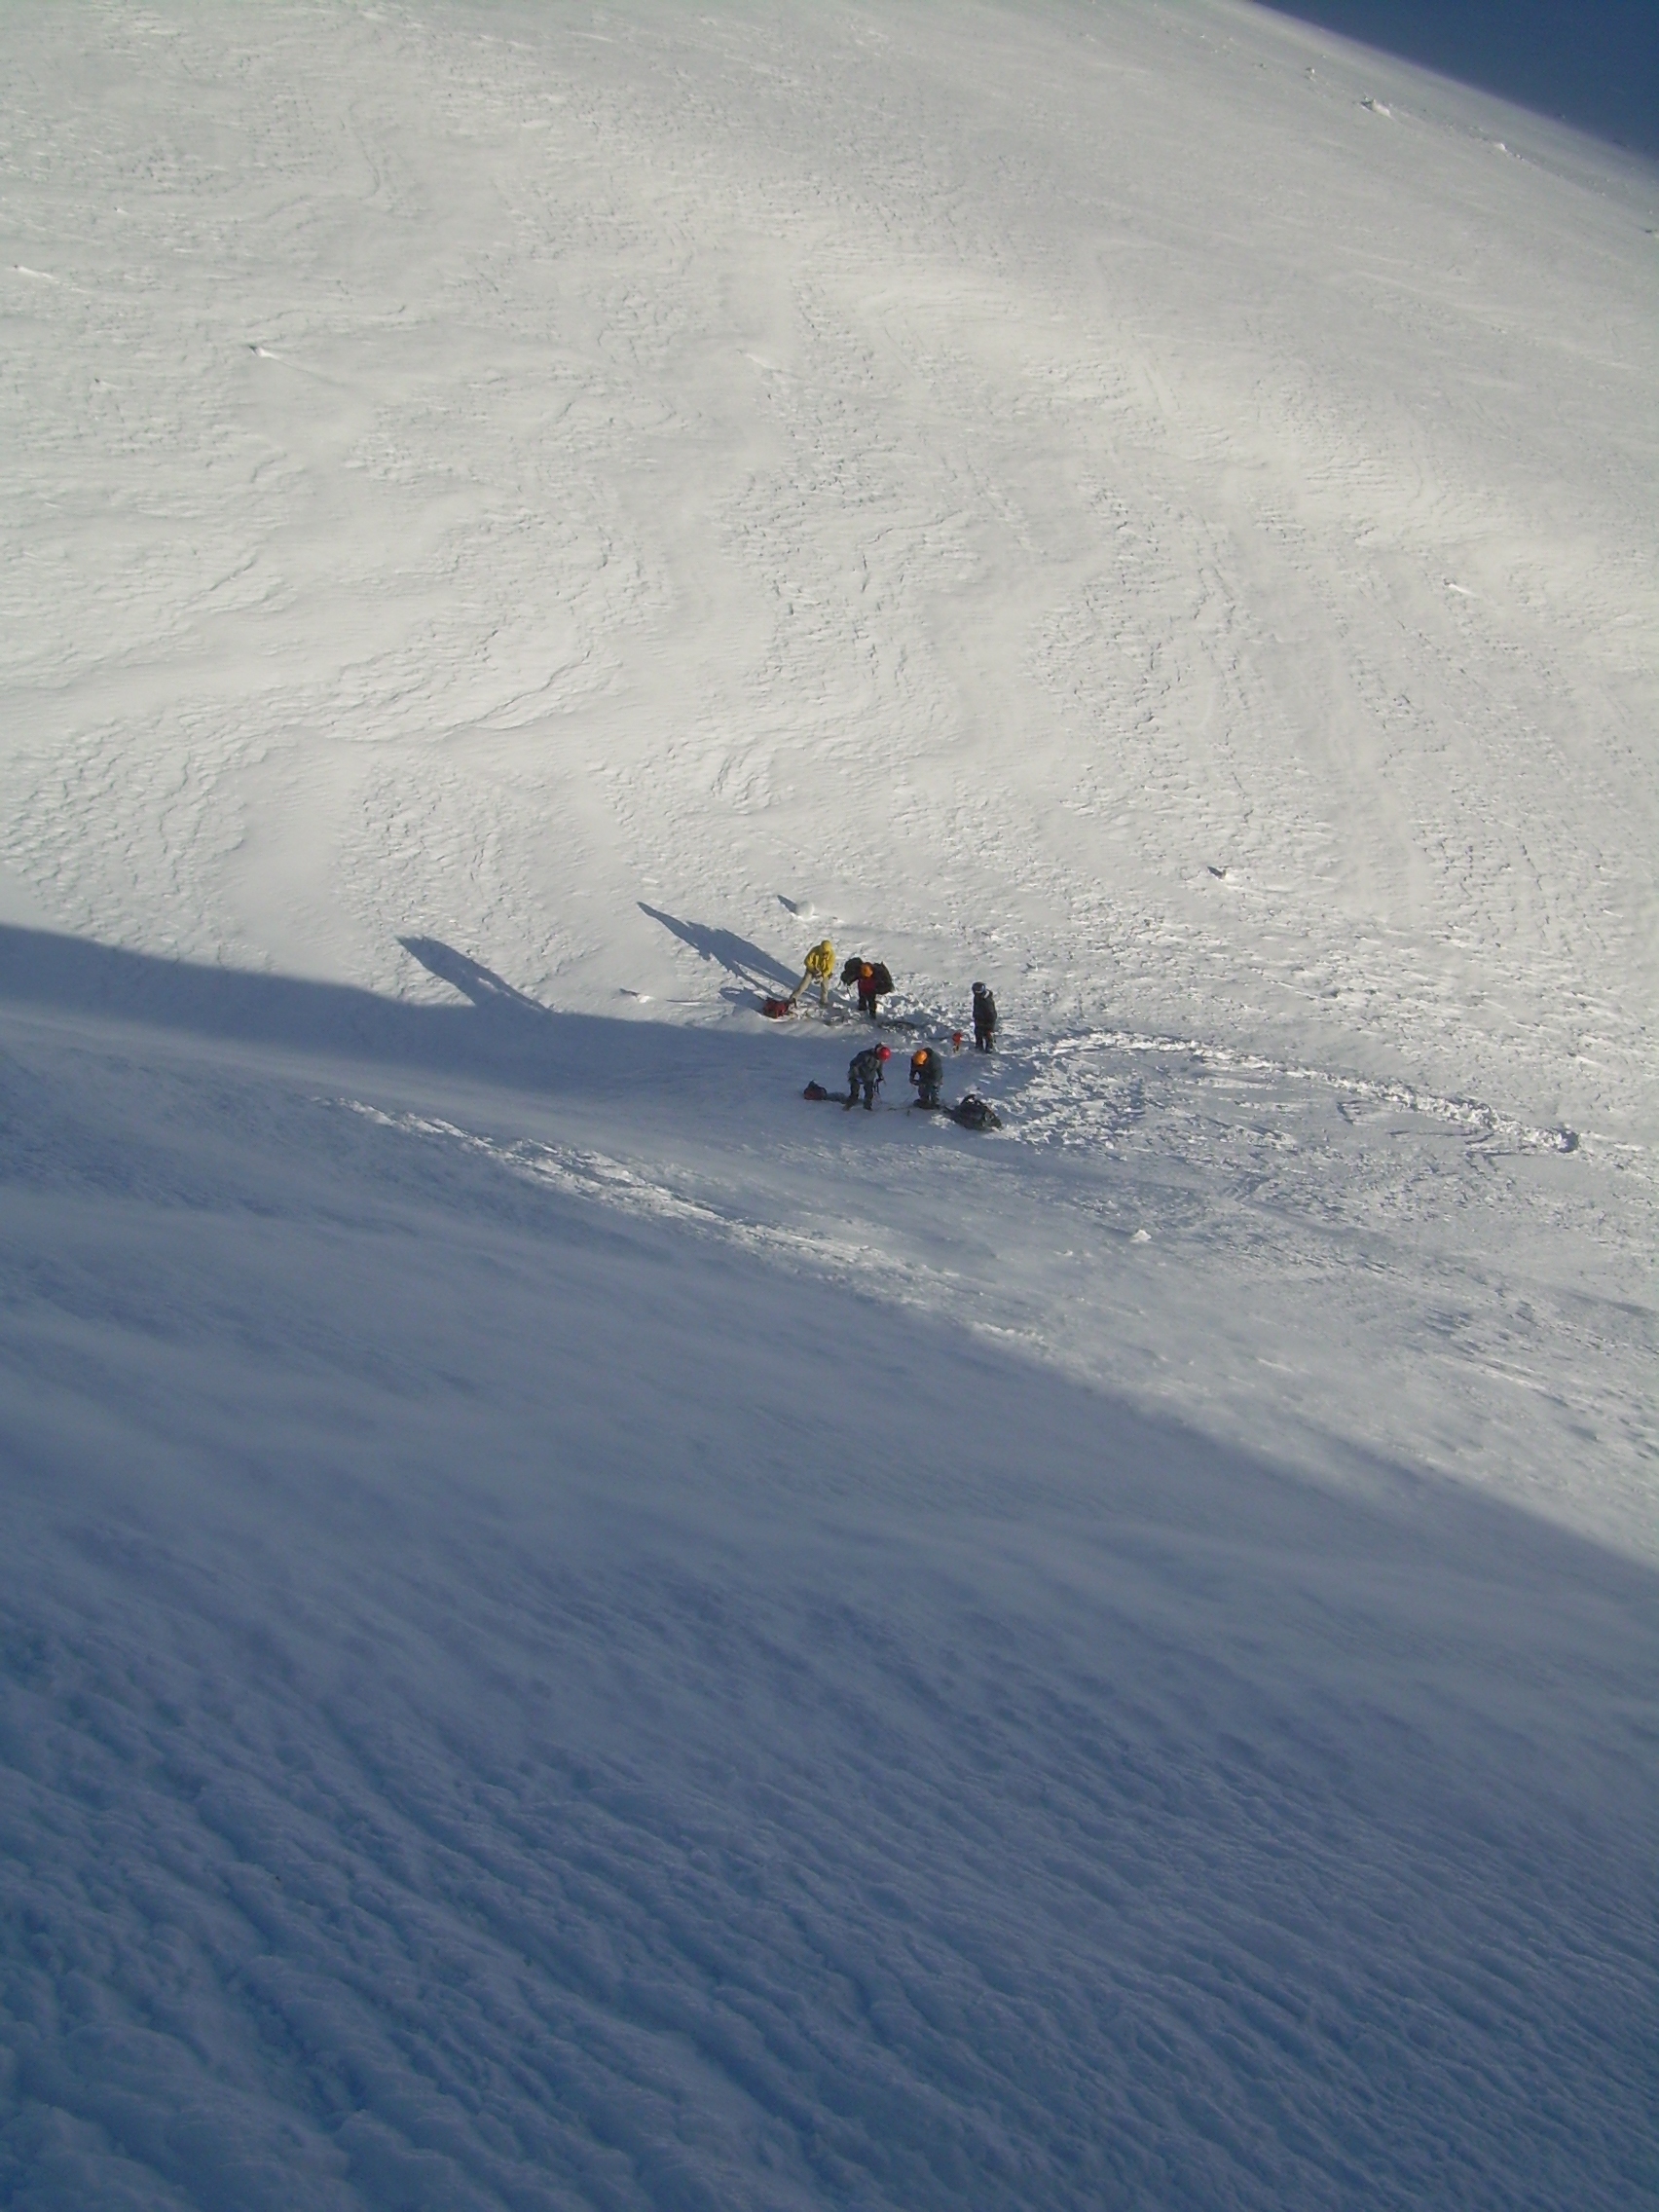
x,y
865,968
918,1056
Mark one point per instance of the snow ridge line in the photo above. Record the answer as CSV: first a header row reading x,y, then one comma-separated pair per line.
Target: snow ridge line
x,y
580,1173
1486,1120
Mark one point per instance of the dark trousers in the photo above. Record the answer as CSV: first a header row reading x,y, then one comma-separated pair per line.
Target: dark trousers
x,y
983,1037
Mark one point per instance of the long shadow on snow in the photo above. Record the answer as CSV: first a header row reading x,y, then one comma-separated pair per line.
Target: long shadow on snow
x,y
502,1035
1595,67
489,992
734,953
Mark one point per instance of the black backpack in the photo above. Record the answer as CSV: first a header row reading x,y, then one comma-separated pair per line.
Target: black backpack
x,y
974,1114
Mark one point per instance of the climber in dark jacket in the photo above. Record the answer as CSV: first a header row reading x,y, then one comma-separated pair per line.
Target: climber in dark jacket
x,y
872,979
984,1018
927,1076
865,1074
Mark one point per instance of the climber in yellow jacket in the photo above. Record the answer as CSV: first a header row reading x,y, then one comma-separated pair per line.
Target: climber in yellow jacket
x,y
819,967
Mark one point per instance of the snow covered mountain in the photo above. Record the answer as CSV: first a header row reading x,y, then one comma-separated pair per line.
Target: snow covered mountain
x,y
583,1630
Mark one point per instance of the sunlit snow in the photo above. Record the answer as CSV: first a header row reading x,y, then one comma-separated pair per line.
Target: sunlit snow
x,y
579,1629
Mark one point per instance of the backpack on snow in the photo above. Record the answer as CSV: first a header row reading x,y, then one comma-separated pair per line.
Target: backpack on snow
x,y
972,1113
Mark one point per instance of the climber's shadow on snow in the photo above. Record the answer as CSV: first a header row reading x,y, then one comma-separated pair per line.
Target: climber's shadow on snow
x,y
753,968
497,1034
489,992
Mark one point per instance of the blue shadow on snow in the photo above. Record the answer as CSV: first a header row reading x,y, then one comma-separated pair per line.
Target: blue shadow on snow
x,y
500,1035
1331,1827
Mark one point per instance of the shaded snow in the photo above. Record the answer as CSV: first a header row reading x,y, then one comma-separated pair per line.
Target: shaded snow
x,y
508,1702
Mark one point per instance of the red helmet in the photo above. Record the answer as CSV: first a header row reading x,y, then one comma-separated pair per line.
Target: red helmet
x,y
884,1051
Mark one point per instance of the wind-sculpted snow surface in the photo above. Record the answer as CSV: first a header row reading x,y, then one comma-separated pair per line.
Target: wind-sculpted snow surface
x,y
578,1629
1083,492
508,1702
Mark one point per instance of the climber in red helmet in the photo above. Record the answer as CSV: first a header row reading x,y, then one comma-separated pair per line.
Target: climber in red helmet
x,y
864,1075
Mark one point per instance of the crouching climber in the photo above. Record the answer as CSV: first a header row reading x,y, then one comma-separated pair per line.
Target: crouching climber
x,y
865,1073
927,1076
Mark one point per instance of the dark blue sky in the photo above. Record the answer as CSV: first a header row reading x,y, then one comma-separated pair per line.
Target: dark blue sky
x,y
1593,63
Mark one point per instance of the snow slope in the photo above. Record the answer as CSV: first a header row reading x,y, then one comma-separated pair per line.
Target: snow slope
x,y
482,468
581,1631
521,1690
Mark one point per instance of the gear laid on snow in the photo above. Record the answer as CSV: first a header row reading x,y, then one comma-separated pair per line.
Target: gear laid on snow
x,y
984,1018
863,1075
927,1076
972,1113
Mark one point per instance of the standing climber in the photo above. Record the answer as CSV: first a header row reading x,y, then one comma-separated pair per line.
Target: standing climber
x,y
819,967
927,1076
984,1018
865,1073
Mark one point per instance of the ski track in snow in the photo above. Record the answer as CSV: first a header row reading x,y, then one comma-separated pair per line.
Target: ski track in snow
x,y
581,1632
1368,1213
